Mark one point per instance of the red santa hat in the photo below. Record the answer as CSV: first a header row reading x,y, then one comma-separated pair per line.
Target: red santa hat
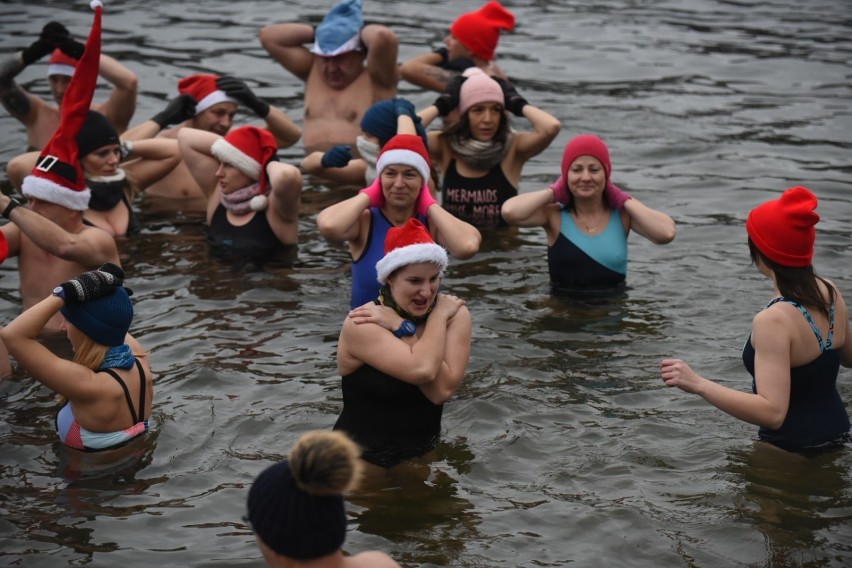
x,y
249,149
204,90
408,150
784,229
479,31
61,64
409,244
58,176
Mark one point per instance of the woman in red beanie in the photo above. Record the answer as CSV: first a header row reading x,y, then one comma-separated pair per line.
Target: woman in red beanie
x,y
587,219
797,342
252,199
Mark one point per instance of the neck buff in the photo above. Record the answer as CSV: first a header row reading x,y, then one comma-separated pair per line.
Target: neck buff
x,y
478,154
369,152
107,191
386,299
239,201
119,356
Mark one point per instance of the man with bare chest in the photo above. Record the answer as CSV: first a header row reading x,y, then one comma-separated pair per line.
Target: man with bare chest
x,y
349,67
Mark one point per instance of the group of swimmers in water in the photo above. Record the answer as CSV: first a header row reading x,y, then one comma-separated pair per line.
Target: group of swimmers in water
x,y
427,196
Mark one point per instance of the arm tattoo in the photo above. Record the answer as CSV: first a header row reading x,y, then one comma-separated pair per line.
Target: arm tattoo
x,y
15,99
441,75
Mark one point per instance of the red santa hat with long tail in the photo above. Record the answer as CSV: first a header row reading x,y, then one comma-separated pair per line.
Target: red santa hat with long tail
x,y
58,175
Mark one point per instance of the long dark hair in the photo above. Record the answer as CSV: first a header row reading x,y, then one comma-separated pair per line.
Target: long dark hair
x,y
797,283
461,129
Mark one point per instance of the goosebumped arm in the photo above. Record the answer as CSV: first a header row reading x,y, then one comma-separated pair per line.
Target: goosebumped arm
x,y
121,104
286,44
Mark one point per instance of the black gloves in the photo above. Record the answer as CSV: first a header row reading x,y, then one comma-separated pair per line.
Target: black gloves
x,y
72,48
458,64
94,284
449,99
337,157
52,35
180,108
237,89
513,102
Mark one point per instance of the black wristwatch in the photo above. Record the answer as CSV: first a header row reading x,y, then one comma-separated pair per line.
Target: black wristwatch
x,y
12,204
406,328
59,291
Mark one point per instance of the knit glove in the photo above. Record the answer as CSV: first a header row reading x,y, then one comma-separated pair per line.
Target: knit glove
x,y
512,100
375,193
560,191
424,201
179,109
93,284
615,196
449,99
337,157
54,33
72,48
237,89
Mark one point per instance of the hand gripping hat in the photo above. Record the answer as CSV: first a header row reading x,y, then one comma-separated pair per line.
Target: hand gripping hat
x,y
58,176
61,64
586,145
204,90
105,320
409,244
478,88
408,150
783,229
249,149
380,120
479,31
340,30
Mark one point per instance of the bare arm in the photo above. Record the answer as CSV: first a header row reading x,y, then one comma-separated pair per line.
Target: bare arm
x,y
382,50
90,247
142,131
286,44
19,103
425,72
528,209
342,221
282,127
195,150
456,358
545,127
285,197
461,239
654,225
353,173
772,344
121,104
151,160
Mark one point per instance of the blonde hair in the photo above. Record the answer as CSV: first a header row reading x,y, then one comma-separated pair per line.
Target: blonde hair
x,y
90,353
325,463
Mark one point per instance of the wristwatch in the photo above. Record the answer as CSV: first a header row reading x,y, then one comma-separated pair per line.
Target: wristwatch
x,y
59,291
406,328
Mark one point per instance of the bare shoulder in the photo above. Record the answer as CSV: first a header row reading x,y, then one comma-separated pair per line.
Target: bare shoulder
x,y
371,559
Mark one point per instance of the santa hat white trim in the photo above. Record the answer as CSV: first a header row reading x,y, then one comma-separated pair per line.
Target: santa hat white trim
x,y
60,69
411,254
52,192
213,98
352,44
231,155
404,157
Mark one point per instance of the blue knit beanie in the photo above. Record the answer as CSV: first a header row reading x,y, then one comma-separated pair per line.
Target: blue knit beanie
x,y
293,522
105,320
380,121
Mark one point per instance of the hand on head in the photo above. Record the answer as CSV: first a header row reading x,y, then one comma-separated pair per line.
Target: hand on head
x,y
512,100
93,284
237,89
337,157
560,191
448,100
179,109
424,200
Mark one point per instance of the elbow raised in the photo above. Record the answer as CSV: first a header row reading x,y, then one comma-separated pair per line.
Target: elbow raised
x,y
468,247
667,236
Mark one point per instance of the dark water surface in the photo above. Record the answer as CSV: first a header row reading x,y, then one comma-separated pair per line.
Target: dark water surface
x,y
562,446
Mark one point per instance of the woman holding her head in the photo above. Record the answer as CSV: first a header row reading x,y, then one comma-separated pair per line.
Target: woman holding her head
x,y
108,385
480,156
296,507
399,193
252,199
404,354
797,342
587,219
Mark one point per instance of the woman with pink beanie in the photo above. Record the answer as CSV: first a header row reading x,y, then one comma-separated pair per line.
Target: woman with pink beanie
x,y
587,219
480,156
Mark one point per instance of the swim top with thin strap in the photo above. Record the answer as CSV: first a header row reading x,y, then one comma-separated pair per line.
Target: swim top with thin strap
x,y
75,436
816,416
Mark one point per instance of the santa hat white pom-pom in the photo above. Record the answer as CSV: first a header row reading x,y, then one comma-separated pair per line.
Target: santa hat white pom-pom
x,y
258,203
96,4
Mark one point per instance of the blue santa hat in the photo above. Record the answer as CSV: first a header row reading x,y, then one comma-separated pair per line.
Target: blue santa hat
x,y
340,30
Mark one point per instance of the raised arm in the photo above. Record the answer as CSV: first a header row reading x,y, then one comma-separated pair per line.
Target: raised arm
x,y
285,198
343,221
121,104
195,150
150,160
281,126
461,239
336,165
654,225
20,104
528,209
382,50
286,44
426,72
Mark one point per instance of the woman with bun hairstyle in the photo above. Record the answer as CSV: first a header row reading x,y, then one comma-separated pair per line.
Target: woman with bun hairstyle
x,y
797,343
296,507
252,199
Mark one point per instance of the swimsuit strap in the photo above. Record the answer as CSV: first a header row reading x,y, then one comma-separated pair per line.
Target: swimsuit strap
x,y
823,346
114,375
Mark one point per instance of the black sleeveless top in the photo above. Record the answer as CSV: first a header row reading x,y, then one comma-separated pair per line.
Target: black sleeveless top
x,y
391,420
477,200
254,240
